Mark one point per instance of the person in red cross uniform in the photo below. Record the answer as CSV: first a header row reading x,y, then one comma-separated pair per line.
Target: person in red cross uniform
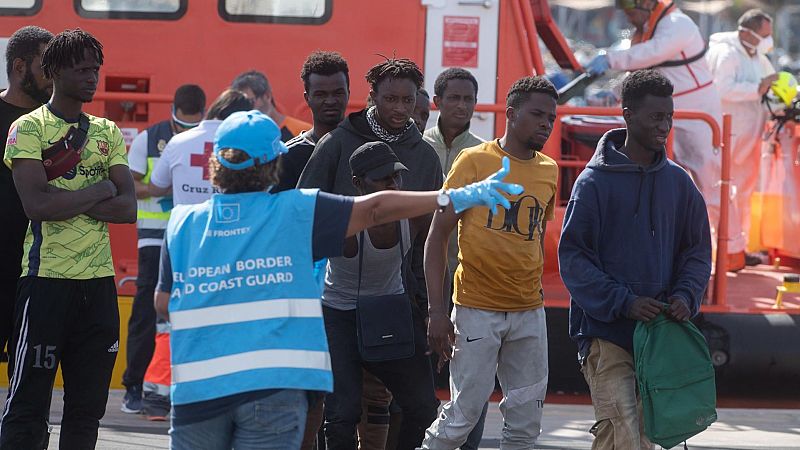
x,y
182,169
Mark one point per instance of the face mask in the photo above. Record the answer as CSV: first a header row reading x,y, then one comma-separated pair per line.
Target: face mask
x,y
764,45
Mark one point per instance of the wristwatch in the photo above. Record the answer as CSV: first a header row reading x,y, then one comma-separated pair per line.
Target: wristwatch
x,y
443,200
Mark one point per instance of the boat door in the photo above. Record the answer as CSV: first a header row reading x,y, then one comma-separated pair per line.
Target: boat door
x,y
464,33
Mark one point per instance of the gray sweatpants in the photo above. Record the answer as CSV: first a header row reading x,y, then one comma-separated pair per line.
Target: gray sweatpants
x,y
514,346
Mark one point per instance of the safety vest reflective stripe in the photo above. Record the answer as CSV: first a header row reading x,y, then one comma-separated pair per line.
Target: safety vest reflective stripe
x,y
151,162
243,312
151,214
162,216
250,361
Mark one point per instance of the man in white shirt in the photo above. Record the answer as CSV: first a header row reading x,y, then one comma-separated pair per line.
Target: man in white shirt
x,y
182,169
188,108
743,74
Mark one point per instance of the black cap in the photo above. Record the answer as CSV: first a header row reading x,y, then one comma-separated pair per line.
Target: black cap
x,y
375,160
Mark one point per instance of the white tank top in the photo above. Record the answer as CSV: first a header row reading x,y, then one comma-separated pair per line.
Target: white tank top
x,y
381,273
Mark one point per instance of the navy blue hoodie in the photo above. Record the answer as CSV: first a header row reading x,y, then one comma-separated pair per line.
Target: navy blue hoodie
x,y
630,231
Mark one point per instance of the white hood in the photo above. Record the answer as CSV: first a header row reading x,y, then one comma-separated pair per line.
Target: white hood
x,y
729,37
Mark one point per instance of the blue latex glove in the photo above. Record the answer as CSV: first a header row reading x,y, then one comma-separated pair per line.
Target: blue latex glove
x,y
485,193
319,272
598,65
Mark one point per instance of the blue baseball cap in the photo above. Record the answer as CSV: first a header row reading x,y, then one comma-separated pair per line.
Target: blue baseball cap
x,y
252,132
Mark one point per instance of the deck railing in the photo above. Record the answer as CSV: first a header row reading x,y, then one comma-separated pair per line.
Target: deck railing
x,y
720,140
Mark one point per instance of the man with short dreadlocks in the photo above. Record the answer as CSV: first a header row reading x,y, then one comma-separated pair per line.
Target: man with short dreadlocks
x,y
394,84
71,173
393,90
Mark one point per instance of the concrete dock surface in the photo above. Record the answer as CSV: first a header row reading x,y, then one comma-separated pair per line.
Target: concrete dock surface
x,y
565,426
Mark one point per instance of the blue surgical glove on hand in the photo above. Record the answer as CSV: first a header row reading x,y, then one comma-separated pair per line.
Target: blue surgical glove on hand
x,y
598,65
485,193
319,272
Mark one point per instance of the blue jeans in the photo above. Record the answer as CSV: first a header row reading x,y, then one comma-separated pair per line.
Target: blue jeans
x,y
273,422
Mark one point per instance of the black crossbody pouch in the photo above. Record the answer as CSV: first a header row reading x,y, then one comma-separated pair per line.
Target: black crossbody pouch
x,y
384,322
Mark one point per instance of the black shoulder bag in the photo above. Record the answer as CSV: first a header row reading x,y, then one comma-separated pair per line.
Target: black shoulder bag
x,y
384,322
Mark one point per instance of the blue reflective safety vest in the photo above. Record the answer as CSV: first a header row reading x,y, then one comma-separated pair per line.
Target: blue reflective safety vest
x,y
245,306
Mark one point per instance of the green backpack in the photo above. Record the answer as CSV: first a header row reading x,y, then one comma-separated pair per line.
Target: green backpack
x,y
676,380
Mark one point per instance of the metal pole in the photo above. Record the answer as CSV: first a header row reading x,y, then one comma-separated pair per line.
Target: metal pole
x,y
721,268
519,23
533,37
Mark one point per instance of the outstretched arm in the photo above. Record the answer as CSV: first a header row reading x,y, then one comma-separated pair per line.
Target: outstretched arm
x,y
385,206
666,45
389,206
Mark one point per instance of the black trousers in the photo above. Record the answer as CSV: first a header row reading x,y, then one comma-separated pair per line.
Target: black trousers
x,y
15,226
142,324
410,381
8,296
74,323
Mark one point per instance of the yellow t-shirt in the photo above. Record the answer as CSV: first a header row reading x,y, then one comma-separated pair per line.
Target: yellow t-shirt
x,y
76,248
500,257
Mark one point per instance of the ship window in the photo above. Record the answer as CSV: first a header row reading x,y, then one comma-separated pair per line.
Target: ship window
x,y
276,11
20,7
131,9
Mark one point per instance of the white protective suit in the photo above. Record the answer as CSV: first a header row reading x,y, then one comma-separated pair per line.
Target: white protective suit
x,y
678,38
737,76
